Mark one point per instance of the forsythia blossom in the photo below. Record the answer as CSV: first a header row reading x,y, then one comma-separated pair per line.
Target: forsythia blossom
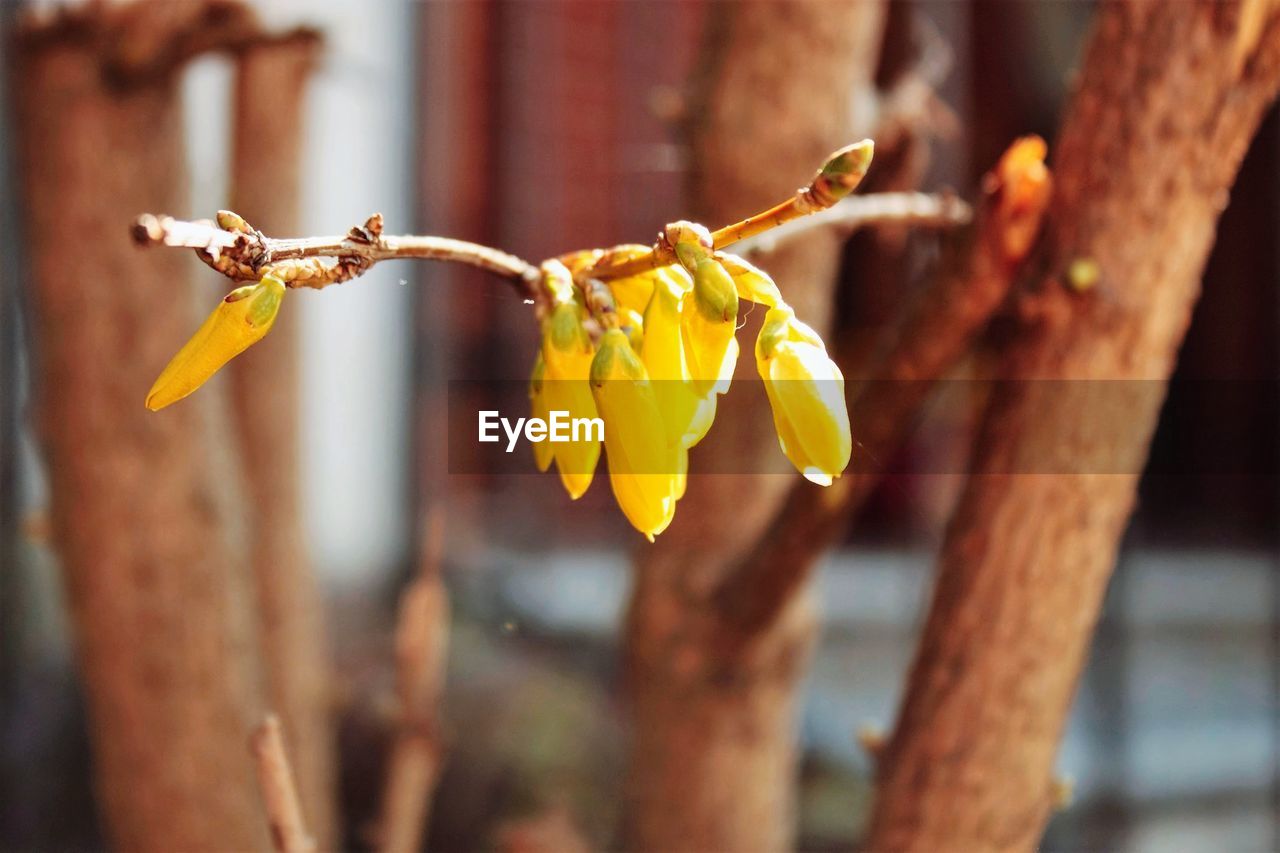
x,y
806,392
567,353
647,353
665,349
241,319
644,467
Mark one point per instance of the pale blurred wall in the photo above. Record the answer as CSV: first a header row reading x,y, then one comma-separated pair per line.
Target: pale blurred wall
x,y
356,343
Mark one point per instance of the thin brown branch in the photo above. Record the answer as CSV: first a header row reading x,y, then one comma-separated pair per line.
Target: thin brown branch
x,y
240,252
838,177
279,794
917,210
422,645
933,337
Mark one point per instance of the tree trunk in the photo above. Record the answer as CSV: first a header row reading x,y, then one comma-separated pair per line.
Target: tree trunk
x,y
713,761
265,184
157,602
1170,95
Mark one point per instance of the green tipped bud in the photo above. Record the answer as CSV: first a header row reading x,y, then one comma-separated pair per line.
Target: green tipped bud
x,y
714,292
242,318
846,168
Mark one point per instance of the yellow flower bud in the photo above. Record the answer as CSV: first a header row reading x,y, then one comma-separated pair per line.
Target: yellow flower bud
x,y
752,283
686,414
543,451
806,393
644,468
241,319
567,354
709,325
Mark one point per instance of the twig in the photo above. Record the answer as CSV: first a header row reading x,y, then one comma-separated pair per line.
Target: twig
x,y
921,210
422,643
241,252
280,796
837,178
932,338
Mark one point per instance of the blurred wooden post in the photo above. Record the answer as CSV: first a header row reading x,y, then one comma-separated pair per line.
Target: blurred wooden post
x,y
422,651
269,125
713,762
1169,97
158,605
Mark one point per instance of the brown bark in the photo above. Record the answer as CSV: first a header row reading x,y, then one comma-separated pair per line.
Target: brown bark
x,y
266,169
157,602
1169,98
422,651
713,759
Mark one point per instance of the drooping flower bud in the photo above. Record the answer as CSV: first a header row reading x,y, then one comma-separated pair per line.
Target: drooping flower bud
x,y
543,451
806,393
709,326
242,318
567,353
644,468
752,283
686,413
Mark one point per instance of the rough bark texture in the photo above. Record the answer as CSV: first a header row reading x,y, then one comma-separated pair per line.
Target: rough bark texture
x,y
266,165
1170,95
156,600
713,761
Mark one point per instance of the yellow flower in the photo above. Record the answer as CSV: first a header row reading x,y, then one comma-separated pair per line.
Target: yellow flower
x,y
543,451
686,414
806,392
752,283
633,292
632,322
241,319
644,468
567,354
709,325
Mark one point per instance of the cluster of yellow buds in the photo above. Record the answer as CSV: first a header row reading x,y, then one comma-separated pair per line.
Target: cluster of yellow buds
x,y
639,338
655,350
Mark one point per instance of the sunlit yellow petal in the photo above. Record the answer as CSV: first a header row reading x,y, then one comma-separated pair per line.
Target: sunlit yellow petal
x,y
806,393
643,465
241,319
543,451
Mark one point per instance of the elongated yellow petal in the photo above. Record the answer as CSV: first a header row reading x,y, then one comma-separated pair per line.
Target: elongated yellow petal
x,y
809,390
543,451
576,460
643,466
806,393
663,355
567,354
241,319
752,283
709,326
